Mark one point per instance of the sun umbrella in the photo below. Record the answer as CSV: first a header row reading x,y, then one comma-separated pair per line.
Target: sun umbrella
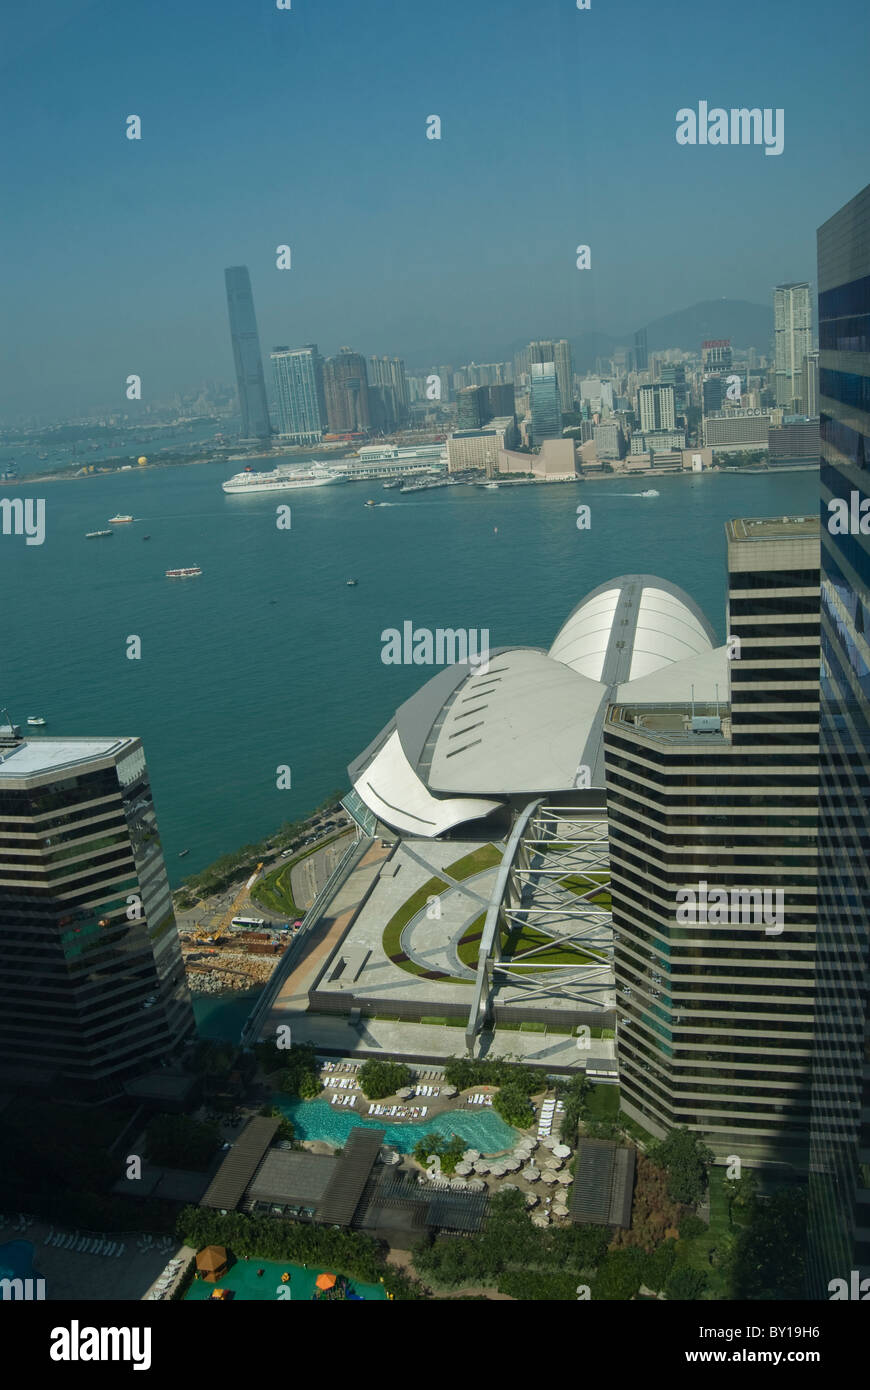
x,y
562,1151
325,1281
463,1169
448,1091
531,1174
553,1163
540,1218
477,1184
549,1177
549,1141
481,1166
531,1199
471,1155
405,1092
498,1170
565,1179
512,1164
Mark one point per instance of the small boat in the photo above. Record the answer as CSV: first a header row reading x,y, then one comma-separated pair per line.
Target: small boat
x,y
371,502
189,573
650,492
92,535
351,583
489,486
36,721
146,538
183,852
118,520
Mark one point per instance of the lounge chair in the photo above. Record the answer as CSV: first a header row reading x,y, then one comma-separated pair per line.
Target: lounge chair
x,y
352,1100
424,1111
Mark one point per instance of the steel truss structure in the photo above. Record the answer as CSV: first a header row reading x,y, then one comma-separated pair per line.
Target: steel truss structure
x,y
548,843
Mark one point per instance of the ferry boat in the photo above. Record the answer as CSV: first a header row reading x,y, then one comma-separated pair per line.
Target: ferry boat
x,y
36,721
351,583
189,573
650,492
92,535
119,520
281,480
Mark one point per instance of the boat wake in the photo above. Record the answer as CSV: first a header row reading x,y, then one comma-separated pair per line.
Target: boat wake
x,y
650,492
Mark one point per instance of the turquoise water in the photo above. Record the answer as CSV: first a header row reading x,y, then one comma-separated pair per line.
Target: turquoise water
x,y
242,1278
223,1016
270,659
16,1260
317,1119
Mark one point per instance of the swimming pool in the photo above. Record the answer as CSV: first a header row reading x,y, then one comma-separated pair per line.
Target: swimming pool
x,y
16,1260
316,1119
245,1283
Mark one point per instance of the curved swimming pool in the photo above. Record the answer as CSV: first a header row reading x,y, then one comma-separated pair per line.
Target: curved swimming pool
x,y
317,1119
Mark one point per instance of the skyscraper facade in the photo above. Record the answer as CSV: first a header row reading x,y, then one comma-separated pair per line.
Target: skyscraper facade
x,y
793,341
296,394
92,983
641,351
471,407
546,406
346,385
718,795
388,375
564,360
246,354
839,1208
656,407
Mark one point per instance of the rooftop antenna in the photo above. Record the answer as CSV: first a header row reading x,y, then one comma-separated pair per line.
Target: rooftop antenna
x,y
693,702
717,699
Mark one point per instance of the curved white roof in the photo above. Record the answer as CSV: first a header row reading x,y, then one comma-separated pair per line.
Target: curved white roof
x,y
529,720
581,642
390,787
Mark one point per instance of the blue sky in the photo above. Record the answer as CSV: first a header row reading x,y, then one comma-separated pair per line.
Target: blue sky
x,y
307,127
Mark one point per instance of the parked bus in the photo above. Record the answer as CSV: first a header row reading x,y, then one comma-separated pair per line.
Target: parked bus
x,y
250,923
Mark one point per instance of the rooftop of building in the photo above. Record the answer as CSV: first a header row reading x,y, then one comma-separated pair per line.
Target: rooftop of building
x,y
39,756
766,528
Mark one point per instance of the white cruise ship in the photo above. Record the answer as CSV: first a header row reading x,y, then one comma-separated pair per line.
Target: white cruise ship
x,y
282,480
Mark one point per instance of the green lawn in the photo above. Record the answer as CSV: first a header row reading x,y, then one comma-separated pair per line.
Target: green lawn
x,y
524,938
469,946
275,893
486,857
392,938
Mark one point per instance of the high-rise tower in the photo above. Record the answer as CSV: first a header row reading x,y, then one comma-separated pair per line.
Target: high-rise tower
x,y
546,406
346,385
246,354
793,341
296,393
839,1209
92,983
717,795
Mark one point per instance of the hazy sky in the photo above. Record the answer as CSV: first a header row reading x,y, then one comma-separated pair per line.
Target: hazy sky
x,y
308,127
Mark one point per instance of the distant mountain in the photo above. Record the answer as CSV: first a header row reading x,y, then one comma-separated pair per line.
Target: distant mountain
x,y
747,325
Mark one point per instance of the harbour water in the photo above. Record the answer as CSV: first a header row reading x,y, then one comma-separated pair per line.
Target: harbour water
x,y
270,660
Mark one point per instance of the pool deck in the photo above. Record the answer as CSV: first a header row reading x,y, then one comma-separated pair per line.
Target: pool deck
x,y
70,1276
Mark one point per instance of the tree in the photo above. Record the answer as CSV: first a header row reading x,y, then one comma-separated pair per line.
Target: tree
x,y
685,1284
685,1160
378,1079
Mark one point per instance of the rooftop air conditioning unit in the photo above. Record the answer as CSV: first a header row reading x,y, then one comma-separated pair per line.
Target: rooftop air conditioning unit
x,y
706,724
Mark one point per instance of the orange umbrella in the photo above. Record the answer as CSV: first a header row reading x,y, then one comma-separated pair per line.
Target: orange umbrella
x,y
325,1281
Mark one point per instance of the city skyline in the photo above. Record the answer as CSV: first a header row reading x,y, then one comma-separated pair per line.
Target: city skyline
x,y
434,265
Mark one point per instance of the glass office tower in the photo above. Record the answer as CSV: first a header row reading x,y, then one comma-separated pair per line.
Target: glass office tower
x,y
546,406
92,983
839,1224
246,354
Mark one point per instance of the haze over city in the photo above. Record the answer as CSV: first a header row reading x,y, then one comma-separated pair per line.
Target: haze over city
x,y
307,127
